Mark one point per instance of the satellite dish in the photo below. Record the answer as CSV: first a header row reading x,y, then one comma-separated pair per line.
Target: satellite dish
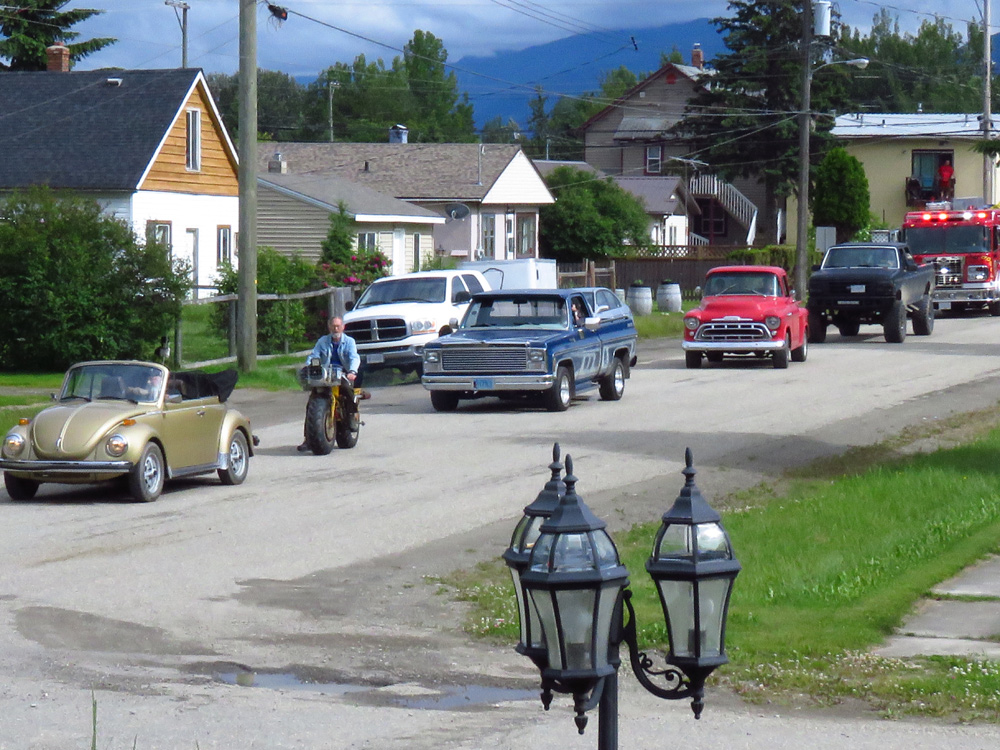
x,y
456,210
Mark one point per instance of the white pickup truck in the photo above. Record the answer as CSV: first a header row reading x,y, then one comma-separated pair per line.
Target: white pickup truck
x,y
397,315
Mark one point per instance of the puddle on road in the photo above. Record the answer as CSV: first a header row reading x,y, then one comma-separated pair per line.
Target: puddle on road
x,y
443,697
457,696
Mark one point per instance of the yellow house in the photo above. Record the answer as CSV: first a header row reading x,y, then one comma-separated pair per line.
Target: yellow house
x,y
902,155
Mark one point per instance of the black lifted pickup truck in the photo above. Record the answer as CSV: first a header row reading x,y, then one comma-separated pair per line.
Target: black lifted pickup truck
x,y
867,282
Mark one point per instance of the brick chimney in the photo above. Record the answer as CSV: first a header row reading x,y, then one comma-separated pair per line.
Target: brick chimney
x,y
697,57
57,57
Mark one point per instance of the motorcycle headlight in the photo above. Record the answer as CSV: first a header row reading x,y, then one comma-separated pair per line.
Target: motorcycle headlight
x,y
116,445
692,324
773,322
13,444
978,273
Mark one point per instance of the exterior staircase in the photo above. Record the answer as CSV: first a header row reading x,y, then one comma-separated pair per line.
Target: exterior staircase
x,y
732,200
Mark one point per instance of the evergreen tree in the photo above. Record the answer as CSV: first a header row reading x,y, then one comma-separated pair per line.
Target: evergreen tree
x,y
841,198
745,123
36,24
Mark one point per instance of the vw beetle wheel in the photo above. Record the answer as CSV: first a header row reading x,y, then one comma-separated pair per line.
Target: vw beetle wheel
x,y
145,480
239,460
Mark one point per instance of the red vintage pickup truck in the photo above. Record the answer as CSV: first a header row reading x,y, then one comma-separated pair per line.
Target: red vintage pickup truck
x,y
746,310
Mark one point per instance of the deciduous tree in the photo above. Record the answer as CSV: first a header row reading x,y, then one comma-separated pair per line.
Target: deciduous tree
x,y
591,218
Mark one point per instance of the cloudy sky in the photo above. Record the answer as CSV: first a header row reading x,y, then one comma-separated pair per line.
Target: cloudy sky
x,y
319,33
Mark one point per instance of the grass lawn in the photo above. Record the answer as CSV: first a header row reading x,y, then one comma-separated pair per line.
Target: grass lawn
x,y
830,568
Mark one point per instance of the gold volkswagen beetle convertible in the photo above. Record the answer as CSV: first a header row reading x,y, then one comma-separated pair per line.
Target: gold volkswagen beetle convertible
x,y
130,419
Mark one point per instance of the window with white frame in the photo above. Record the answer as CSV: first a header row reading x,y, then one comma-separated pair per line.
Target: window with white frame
x,y
526,235
367,240
224,245
488,237
192,146
159,232
654,160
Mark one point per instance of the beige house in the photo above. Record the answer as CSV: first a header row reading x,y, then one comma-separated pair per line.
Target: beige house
x,y
486,195
632,138
901,155
293,217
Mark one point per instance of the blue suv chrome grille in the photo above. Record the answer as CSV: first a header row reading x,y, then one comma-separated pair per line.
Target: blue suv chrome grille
x,y
494,359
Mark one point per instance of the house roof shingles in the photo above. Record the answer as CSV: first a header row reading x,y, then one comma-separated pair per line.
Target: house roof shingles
x,y
83,130
408,171
331,190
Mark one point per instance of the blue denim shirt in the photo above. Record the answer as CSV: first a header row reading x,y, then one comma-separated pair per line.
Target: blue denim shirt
x,y
347,352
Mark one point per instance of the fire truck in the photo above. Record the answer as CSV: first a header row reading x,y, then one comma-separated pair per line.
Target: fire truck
x,y
963,245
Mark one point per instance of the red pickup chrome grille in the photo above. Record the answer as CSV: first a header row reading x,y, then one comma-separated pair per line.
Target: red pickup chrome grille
x,y
738,330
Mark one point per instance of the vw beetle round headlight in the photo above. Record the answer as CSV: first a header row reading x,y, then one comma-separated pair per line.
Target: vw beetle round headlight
x,y
13,444
116,445
773,322
691,324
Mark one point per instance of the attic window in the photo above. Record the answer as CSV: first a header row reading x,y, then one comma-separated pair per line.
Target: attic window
x,y
192,146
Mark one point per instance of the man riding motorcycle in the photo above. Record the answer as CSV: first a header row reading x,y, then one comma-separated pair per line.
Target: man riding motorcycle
x,y
336,348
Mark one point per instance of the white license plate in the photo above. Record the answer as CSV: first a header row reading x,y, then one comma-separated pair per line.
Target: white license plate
x,y
849,302
375,359
857,289
943,305
483,384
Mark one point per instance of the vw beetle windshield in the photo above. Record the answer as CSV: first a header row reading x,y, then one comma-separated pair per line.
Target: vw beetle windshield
x,y
113,382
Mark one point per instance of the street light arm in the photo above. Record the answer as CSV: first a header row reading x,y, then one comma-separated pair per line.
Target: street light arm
x,y
678,684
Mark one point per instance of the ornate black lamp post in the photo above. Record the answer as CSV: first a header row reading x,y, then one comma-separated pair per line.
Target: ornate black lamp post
x,y
517,554
577,586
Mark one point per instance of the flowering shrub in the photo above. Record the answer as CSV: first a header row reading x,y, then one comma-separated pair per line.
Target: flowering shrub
x,y
360,270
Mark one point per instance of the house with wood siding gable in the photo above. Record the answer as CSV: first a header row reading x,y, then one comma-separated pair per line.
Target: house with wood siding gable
x,y
148,145
488,194
632,137
293,217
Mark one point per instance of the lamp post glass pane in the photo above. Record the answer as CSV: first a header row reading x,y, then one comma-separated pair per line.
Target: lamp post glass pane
x,y
576,616
678,603
712,542
712,595
574,553
526,533
674,542
544,606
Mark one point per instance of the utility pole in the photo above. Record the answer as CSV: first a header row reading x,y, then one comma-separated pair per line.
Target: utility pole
x,y
184,27
988,159
802,217
331,85
246,308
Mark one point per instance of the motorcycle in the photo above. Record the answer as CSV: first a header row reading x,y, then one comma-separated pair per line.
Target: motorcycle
x,y
333,414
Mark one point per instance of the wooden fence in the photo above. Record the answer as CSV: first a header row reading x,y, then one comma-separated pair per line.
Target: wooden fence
x,y
685,265
337,299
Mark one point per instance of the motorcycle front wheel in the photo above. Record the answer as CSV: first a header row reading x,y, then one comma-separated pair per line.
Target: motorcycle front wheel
x,y
320,425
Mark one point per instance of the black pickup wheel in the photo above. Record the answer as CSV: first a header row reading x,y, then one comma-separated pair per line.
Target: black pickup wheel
x,y
894,326
923,318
